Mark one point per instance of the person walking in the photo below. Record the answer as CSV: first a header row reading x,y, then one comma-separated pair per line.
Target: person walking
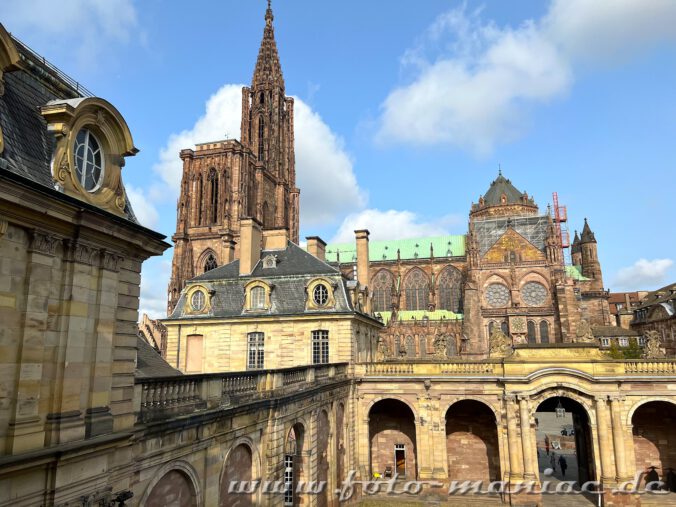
x,y
563,464
552,461
547,444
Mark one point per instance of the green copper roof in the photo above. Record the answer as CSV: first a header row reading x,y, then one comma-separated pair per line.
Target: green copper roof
x,y
414,248
575,273
407,315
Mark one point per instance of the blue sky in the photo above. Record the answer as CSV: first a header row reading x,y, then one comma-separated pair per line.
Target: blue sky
x,y
403,114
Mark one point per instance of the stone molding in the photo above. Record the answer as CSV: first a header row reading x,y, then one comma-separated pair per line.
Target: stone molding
x,y
44,242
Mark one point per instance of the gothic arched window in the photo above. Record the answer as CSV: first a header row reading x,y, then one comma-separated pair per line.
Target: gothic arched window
x,y
504,328
200,203
410,346
450,290
210,263
213,180
267,215
382,291
531,332
417,290
261,132
544,331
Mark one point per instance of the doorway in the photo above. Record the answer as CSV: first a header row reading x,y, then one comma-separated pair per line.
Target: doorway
x,y
400,459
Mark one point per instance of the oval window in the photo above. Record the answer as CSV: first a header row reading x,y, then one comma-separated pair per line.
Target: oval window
x,y
320,295
198,300
89,164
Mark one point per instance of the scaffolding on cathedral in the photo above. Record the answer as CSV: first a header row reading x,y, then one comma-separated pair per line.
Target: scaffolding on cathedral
x,y
532,228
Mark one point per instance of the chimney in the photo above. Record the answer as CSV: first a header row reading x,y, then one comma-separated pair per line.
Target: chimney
x,y
228,249
249,245
316,247
362,237
276,239
627,302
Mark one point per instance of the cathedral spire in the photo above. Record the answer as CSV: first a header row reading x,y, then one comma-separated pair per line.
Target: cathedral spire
x,y
268,71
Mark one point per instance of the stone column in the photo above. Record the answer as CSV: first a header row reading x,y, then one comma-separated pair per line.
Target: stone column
x,y
438,442
515,455
618,438
605,447
529,459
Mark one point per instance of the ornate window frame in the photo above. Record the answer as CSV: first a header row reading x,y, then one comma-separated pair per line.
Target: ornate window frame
x,y
309,294
65,119
188,309
248,303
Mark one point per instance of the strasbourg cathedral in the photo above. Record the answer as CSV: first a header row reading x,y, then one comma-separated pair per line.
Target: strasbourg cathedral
x,y
507,272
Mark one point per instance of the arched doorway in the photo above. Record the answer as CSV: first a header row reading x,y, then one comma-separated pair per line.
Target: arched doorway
x,y
472,442
323,432
238,472
392,439
293,464
654,435
175,488
564,441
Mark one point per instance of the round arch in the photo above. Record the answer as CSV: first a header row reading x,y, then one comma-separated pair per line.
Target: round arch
x,y
255,456
638,404
495,411
181,466
390,397
564,390
534,276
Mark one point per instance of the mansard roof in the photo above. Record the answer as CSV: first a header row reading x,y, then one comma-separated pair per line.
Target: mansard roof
x,y
295,269
28,146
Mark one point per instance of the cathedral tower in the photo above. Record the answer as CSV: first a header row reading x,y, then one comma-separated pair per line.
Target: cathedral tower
x,y
591,267
228,180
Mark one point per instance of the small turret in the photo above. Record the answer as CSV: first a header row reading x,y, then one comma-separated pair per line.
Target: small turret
x,y
575,251
591,267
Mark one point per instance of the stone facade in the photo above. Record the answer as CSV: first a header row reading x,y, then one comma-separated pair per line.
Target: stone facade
x,y
226,181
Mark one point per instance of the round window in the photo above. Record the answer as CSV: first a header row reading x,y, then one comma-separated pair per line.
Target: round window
x,y
197,300
534,294
320,295
89,164
497,295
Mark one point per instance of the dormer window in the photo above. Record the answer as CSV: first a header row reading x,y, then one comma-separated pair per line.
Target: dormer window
x,y
320,294
257,296
89,161
270,261
198,300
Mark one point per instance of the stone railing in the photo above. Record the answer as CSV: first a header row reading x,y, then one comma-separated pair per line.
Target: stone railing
x,y
657,367
474,368
165,397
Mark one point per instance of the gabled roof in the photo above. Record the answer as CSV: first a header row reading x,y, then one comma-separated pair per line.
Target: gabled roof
x,y
410,248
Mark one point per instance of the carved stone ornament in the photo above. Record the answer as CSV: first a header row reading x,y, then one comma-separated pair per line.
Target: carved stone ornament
x,y
383,350
499,344
583,333
653,346
441,346
44,243
84,254
65,120
110,261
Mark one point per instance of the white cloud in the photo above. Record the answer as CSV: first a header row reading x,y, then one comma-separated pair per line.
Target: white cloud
x,y
393,224
643,274
154,282
145,211
89,26
474,83
324,170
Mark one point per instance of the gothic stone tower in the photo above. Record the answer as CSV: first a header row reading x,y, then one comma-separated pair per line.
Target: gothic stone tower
x,y
226,181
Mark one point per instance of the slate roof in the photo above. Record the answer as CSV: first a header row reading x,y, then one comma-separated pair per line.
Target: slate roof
x,y
664,295
151,364
28,145
499,186
295,270
612,331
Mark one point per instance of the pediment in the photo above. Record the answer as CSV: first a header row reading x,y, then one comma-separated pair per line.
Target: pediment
x,y
512,241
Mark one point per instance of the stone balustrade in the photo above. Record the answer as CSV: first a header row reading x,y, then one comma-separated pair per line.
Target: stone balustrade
x,y
157,399
648,367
